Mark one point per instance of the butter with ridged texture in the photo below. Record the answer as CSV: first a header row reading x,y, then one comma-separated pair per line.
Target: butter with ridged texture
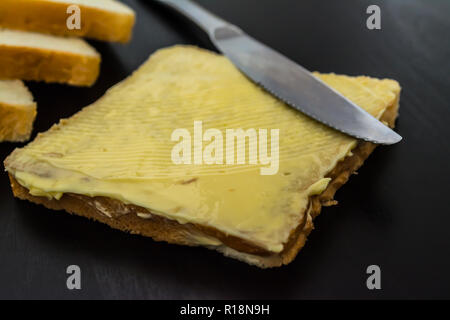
x,y
120,147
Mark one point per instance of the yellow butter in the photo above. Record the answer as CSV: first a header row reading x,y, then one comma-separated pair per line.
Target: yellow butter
x,y
319,186
120,147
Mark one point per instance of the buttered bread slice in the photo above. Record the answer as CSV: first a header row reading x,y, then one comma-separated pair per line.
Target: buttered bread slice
x,y
106,20
40,57
17,111
113,161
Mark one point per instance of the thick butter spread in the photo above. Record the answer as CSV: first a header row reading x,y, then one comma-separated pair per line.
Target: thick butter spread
x,y
120,147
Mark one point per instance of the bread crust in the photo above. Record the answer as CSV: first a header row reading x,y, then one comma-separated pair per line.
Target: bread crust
x,y
51,18
27,63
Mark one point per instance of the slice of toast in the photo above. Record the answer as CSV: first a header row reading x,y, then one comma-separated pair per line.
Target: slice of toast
x,y
39,57
106,20
17,111
112,161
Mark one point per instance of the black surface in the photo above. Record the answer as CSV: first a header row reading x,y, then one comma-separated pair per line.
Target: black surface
x,y
395,213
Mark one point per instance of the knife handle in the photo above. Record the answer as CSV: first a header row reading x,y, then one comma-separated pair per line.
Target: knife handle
x,y
202,17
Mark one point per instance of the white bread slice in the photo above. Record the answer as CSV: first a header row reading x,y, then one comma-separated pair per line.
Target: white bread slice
x,y
17,111
40,57
112,161
106,20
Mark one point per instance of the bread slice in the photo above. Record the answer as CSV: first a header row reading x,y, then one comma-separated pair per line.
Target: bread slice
x,y
111,162
35,56
17,111
106,20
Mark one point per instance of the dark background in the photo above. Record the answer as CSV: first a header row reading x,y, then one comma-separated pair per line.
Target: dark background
x,y
395,213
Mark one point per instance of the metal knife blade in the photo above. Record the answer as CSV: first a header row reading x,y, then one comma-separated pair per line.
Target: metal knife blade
x,y
286,79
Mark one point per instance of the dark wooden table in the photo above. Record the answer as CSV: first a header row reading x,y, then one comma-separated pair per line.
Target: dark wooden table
x,y
394,214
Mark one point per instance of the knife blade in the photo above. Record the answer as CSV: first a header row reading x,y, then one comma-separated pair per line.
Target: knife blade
x,y
286,79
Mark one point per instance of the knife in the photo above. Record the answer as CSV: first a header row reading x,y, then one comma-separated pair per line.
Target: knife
x,y
285,79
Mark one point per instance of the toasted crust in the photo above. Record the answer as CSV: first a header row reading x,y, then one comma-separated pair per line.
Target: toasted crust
x,y
28,63
125,217
16,121
51,17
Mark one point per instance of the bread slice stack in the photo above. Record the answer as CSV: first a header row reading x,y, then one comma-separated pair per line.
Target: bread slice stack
x,y
36,42
112,161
